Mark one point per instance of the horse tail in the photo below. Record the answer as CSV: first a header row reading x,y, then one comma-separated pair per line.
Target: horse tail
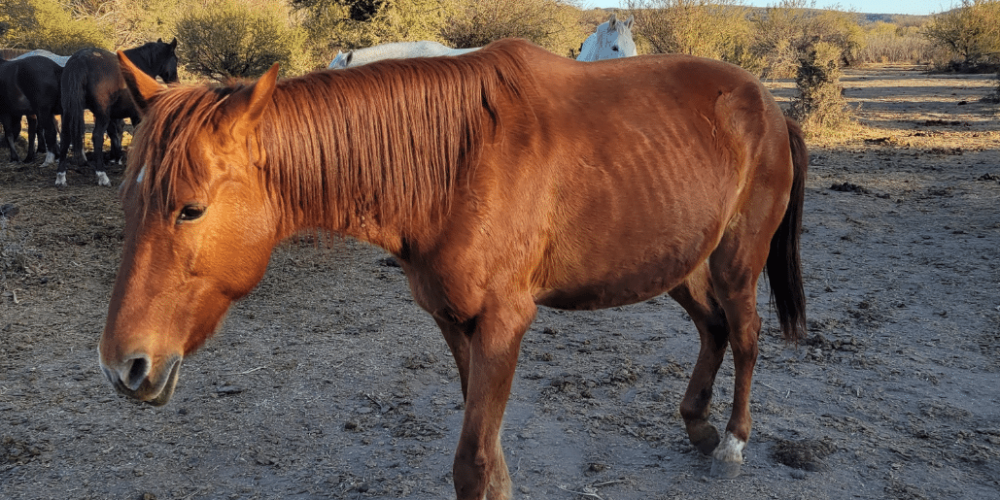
x,y
784,267
72,99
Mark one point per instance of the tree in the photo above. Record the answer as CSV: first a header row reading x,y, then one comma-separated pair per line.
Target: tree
x,y
971,33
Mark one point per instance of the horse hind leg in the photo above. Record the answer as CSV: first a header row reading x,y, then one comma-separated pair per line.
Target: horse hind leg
x,y
696,296
101,126
735,266
32,133
47,126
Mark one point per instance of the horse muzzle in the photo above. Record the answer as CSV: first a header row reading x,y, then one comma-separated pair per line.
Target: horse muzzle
x,y
138,378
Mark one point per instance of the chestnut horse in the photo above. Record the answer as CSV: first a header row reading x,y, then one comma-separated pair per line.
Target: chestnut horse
x,y
495,192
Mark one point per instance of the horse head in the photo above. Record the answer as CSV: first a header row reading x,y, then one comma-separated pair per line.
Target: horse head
x,y
167,58
611,40
341,60
199,228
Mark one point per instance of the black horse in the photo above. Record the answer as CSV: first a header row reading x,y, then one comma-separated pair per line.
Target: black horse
x,y
92,80
30,87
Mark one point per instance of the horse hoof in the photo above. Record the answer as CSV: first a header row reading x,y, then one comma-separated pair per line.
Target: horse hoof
x,y
61,179
102,179
725,470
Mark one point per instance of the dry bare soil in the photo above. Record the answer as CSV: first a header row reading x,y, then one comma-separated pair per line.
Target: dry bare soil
x,y
328,382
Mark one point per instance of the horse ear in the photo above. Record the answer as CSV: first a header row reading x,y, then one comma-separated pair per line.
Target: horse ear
x,y
141,86
612,21
247,105
630,21
173,44
348,58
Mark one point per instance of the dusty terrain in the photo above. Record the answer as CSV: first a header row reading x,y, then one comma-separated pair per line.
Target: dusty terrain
x,y
328,382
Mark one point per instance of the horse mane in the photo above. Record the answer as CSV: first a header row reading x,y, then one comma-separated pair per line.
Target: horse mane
x,y
386,140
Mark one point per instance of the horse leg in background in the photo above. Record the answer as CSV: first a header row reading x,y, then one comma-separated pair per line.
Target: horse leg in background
x,y
47,141
29,155
116,128
101,123
71,135
11,131
457,337
480,470
696,296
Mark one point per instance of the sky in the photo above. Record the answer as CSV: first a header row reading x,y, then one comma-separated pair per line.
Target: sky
x,y
915,7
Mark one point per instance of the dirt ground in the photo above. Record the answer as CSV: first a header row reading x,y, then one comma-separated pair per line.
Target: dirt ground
x,y
328,382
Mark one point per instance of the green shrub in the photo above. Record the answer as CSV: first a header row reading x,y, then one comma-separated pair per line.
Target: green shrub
x,y
241,39
45,24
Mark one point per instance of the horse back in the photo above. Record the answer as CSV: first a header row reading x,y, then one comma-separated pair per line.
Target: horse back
x,y
618,178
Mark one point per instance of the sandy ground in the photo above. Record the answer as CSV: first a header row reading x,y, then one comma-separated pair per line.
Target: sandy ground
x,y
328,382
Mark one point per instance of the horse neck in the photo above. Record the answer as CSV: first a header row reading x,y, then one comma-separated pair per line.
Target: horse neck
x,y
351,163
140,57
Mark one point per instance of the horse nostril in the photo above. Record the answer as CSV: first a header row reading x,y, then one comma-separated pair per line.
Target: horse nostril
x,y
138,370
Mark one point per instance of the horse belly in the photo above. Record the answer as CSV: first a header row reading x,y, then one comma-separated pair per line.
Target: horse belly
x,y
625,289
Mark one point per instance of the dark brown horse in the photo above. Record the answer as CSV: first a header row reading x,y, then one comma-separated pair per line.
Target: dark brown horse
x,y
501,180
92,80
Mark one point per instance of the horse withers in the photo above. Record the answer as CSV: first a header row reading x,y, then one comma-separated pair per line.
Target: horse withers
x,y
496,194
92,80
29,86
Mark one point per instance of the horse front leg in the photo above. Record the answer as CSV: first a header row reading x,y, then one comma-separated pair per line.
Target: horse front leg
x,y
480,470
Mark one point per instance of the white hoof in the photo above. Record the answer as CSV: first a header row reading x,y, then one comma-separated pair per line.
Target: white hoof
x,y
61,179
50,158
727,458
102,179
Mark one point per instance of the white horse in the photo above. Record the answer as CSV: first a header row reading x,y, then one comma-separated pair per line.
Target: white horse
x,y
613,39
58,59
397,50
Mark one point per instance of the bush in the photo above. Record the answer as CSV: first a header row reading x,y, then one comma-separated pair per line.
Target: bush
x,y
354,24
787,32
45,24
889,43
544,22
820,104
241,39
708,28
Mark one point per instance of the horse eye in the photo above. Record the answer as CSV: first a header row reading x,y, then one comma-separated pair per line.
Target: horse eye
x,y
191,212
615,48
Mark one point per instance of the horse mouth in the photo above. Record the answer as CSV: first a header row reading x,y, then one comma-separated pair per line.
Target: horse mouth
x,y
156,393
